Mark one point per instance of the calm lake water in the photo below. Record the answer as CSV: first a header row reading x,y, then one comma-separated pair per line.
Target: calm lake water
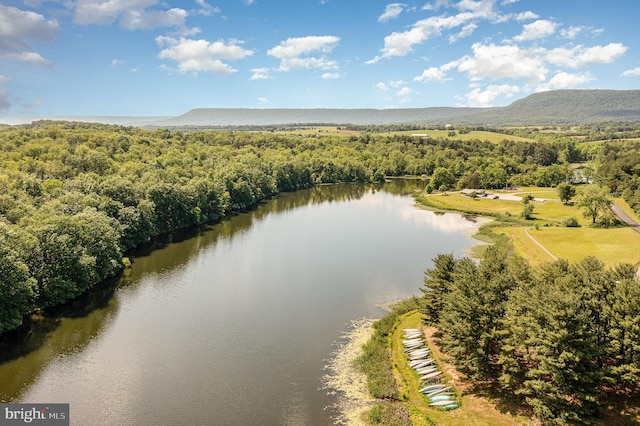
x,y
233,325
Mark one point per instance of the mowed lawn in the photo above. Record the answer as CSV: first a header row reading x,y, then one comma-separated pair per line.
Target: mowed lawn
x,y
475,134
552,210
611,246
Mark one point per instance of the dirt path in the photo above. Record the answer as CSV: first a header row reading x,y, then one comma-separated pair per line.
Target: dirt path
x,y
526,231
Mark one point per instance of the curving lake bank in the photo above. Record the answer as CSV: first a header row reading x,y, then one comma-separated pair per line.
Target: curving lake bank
x,y
235,324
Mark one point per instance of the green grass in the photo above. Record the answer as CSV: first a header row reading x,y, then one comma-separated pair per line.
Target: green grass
x,y
475,134
611,245
436,134
524,245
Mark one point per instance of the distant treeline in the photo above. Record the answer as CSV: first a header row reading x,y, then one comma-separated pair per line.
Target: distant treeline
x,y
76,197
560,337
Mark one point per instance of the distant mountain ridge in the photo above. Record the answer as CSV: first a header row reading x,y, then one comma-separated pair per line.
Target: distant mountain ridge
x,y
280,116
562,107
553,107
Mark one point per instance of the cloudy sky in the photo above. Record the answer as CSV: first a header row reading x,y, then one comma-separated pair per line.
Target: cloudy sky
x,y
155,57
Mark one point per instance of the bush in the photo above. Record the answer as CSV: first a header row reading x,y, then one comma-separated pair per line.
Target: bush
x,y
390,415
570,222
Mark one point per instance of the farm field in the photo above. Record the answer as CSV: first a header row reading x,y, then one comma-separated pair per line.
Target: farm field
x,y
435,134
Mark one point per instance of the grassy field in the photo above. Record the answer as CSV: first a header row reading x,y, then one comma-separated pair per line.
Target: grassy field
x,y
551,211
475,134
443,134
612,246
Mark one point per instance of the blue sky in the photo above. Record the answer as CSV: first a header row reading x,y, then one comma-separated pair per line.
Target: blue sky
x,y
154,57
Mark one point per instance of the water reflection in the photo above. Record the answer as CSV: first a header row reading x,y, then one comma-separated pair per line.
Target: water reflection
x,y
232,324
26,352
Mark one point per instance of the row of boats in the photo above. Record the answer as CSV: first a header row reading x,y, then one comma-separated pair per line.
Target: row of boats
x,y
437,391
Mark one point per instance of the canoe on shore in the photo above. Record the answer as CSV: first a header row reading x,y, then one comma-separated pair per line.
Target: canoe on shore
x,y
413,347
419,356
435,392
432,387
431,375
414,336
440,403
425,363
439,398
426,369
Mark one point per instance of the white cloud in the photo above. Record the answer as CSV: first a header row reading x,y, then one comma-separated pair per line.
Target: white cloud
x,y
292,52
486,98
635,72
564,80
132,14
17,29
31,57
502,61
571,32
260,74
401,43
481,7
382,87
331,75
263,101
134,19
431,75
392,11
18,26
526,16
206,9
115,63
466,31
579,56
539,29
202,55
405,91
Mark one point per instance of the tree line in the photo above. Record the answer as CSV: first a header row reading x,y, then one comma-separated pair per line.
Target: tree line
x,y
75,198
561,337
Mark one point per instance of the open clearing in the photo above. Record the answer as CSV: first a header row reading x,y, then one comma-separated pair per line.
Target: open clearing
x,y
611,245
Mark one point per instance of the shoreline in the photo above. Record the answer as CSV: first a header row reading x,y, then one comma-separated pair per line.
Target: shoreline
x,y
343,378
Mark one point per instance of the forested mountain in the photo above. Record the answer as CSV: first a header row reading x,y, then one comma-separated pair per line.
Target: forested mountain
x,y
553,107
247,116
562,107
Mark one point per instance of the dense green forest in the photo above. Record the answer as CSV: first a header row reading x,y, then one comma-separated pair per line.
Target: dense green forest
x,y
75,198
559,336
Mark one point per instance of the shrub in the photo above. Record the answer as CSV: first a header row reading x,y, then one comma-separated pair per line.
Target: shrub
x,y
570,222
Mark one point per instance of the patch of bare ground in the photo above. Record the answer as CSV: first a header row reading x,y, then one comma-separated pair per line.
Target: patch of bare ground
x,y
622,410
